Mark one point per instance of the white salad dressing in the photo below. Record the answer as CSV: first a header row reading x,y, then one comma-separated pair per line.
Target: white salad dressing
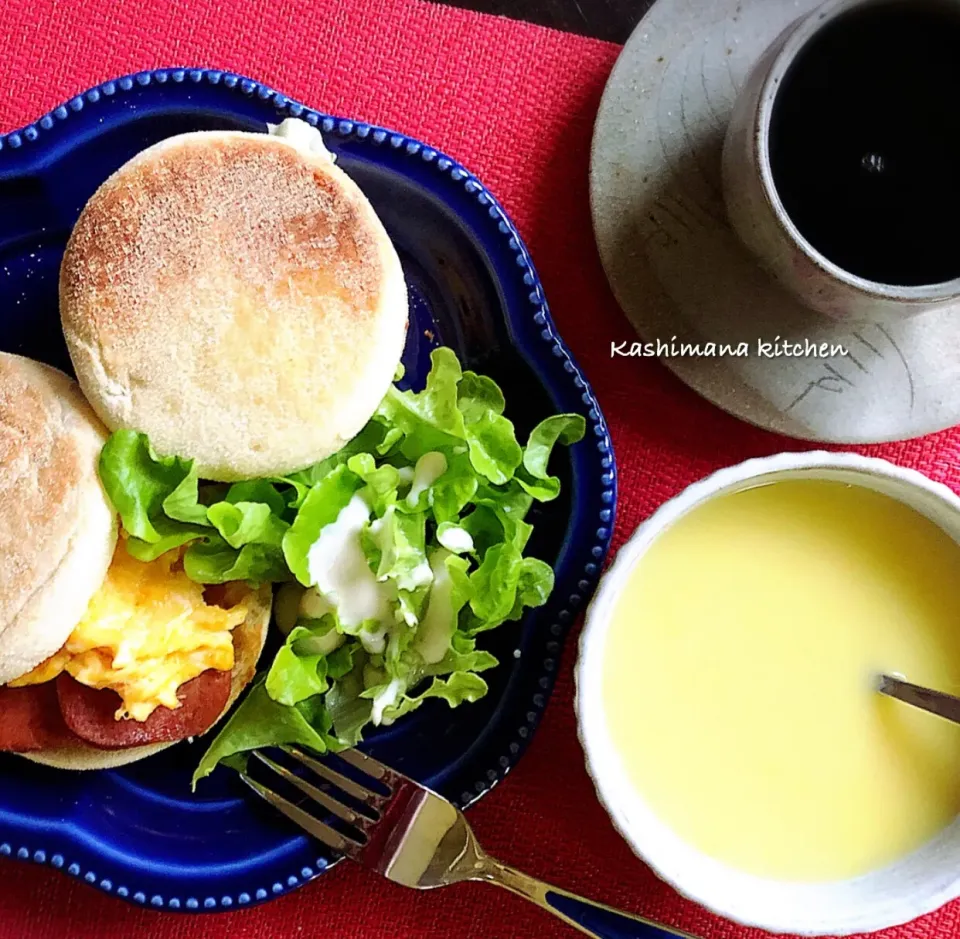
x,y
421,575
301,135
339,571
373,642
457,540
314,605
437,625
387,698
342,579
430,467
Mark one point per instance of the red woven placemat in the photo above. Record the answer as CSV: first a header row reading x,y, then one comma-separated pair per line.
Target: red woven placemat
x,y
516,104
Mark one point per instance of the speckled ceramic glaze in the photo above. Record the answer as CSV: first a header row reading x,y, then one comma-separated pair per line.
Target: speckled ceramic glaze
x,y
677,268
137,832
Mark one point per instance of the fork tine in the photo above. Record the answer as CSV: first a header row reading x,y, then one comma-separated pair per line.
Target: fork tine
x,y
370,766
318,795
351,788
329,836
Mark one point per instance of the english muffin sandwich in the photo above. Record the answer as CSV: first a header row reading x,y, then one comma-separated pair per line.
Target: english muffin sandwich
x,y
234,297
104,659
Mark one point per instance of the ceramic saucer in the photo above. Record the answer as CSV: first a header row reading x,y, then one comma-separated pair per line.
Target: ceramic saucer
x,y
678,270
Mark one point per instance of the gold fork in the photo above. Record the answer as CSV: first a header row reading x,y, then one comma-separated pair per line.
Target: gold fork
x,y
416,838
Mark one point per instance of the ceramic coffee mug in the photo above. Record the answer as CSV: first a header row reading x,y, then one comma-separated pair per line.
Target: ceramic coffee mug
x,y
887,262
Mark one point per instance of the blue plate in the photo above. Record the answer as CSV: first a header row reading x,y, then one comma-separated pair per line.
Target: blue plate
x,y
137,832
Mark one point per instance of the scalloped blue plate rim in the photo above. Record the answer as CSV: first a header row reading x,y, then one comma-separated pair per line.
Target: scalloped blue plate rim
x,y
78,859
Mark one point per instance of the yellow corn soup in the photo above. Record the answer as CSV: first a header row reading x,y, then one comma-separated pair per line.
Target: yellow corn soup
x,y
739,678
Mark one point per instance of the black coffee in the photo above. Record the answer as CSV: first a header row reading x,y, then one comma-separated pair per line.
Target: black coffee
x,y
865,142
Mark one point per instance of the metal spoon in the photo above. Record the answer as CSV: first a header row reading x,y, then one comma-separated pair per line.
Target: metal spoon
x,y
936,702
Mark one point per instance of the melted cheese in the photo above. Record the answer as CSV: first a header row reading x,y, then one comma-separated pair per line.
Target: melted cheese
x,y
146,632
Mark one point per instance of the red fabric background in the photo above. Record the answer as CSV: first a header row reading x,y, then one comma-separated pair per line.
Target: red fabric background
x,y
516,103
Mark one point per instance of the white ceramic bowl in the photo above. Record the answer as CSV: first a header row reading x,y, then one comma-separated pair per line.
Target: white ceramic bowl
x,y
915,885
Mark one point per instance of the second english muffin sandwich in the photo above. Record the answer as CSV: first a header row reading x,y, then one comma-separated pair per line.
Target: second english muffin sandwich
x,y
235,297
104,659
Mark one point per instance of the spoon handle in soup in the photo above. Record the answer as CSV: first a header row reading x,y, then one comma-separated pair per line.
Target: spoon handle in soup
x,y
936,702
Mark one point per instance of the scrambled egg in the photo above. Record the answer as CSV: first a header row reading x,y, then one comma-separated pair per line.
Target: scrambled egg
x,y
146,632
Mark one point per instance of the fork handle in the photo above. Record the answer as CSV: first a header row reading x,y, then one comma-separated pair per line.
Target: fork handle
x,y
594,919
